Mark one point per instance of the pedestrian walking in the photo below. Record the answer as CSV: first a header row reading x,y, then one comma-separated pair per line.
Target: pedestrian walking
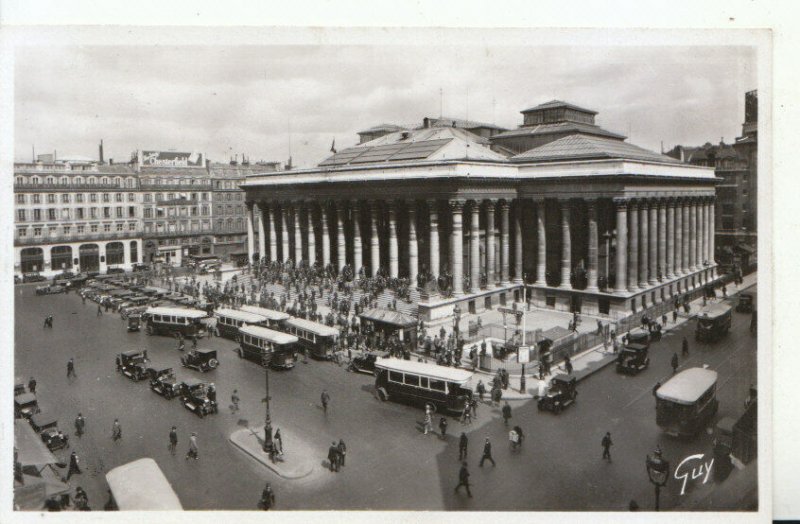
x,y
342,449
481,389
675,315
74,467
277,442
443,427
32,385
685,348
664,320
497,395
267,498
428,424
234,401
173,440
333,457
506,413
71,369
724,291
80,425
99,311
194,341
473,404
325,399
487,453
568,364
193,449
513,438
463,442
463,479
607,443
674,363
116,431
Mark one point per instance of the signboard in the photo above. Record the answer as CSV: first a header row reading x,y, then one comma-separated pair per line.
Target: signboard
x,y
524,354
170,159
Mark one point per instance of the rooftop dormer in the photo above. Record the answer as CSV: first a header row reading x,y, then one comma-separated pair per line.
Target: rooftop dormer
x,y
555,112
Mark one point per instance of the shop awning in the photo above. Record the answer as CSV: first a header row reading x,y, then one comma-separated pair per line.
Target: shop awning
x,y
30,448
388,316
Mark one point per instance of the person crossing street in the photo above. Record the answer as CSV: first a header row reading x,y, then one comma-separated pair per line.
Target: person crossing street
x,y
193,449
463,442
116,431
80,425
674,363
506,413
685,348
173,440
325,399
463,479
607,443
487,453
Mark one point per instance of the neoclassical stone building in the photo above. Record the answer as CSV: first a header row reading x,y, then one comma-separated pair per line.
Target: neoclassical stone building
x,y
582,219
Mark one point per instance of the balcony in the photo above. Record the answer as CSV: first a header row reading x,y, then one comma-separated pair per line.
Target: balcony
x,y
168,234
85,237
68,187
145,186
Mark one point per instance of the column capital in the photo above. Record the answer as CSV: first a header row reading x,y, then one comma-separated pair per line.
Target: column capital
x,y
456,205
622,203
503,204
490,203
661,202
250,204
565,203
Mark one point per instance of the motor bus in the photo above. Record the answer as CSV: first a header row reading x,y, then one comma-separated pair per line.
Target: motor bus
x,y
713,322
275,319
686,403
230,320
169,321
141,486
318,338
258,344
421,383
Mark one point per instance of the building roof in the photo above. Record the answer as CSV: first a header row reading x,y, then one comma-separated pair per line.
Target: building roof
x,y
268,313
558,127
390,128
582,147
444,121
220,170
714,310
175,311
268,334
553,104
424,369
315,327
687,386
389,316
141,485
244,316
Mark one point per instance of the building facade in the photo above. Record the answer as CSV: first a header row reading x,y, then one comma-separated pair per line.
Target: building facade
x,y
584,220
75,216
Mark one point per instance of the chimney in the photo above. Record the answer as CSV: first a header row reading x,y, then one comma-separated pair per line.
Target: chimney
x,y
101,150
426,123
111,161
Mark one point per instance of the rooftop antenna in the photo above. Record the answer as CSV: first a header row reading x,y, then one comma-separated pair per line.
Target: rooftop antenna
x,y
662,147
33,153
441,101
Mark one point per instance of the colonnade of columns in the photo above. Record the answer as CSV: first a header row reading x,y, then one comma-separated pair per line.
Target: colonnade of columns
x,y
657,239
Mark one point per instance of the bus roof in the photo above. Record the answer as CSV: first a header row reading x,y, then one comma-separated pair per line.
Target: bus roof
x,y
687,386
714,310
276,337
140,486
314,327
176,311
244,316
435,371
264,312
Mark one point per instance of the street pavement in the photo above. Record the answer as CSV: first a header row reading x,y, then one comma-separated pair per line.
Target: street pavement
x,y
390,463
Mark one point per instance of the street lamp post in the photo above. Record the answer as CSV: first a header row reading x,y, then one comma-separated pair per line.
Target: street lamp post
x,y
658,471
268,447
456,320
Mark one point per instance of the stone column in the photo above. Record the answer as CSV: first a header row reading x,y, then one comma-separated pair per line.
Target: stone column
x,y
458,247
706,216
541,256
374,241
653,244
701,234
518,242
566,246
326,237
312,243
693,235
686,238
284,233
298,235
644,243
474,248
622,245
341,245
662,240
712,240
394,258
250,240
678,237
413,248
434,237
490,261
358,250
273,238
633,248
504,262
262,248
592,274
670,246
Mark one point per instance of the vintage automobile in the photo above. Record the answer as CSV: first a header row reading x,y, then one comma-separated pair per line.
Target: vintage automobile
x,y
633,359
134,322
33,277
25,405
745,304
19,388
141,267
164,382
639,336
133,364
46,426
194,395
365,363
114,270
50,290
561,394
200,359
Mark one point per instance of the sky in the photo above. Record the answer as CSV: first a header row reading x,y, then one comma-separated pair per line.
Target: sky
x,y
268,102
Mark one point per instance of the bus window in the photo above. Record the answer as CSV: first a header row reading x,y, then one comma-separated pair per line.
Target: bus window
x,y
423,382
412,380
156,318
437,385
394,376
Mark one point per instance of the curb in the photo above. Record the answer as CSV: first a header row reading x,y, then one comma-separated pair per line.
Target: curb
x,y
242,439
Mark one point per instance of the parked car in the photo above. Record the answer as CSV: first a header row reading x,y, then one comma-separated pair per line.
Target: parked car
x,y
194,395
46,426
745,304
50,290
134,323
114,271
200,359
365,363
632,359
561,394
25,405
141,267
133,364
164,382
33,277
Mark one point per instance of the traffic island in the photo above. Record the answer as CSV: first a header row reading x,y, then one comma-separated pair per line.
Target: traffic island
x,y
293,464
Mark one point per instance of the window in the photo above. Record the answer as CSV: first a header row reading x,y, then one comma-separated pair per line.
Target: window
x,y
37,214
119,197
120,183
394,376
106,212
104,181
131,211
21,215
81,229
22,232
93,197
107,228
239,196
65,213
51,198
93,228
20,199
79,198
228,197
230,209
205,196
37,198
148,212
131,197
49,180
194,211
78,181
436,385
92,180
19,180
51,214
120,210
159,212
119,227
106,197
132,226
184,212
93,212
79,213
147,197
37,231
170,196
65,198
412,380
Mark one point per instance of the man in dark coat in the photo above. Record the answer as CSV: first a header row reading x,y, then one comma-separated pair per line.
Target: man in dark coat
x,y
506,413
685,348
674,363
487,453
32,385
80,424
606,443
463,479
333,457
463,442
71,369
342,449
73,465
